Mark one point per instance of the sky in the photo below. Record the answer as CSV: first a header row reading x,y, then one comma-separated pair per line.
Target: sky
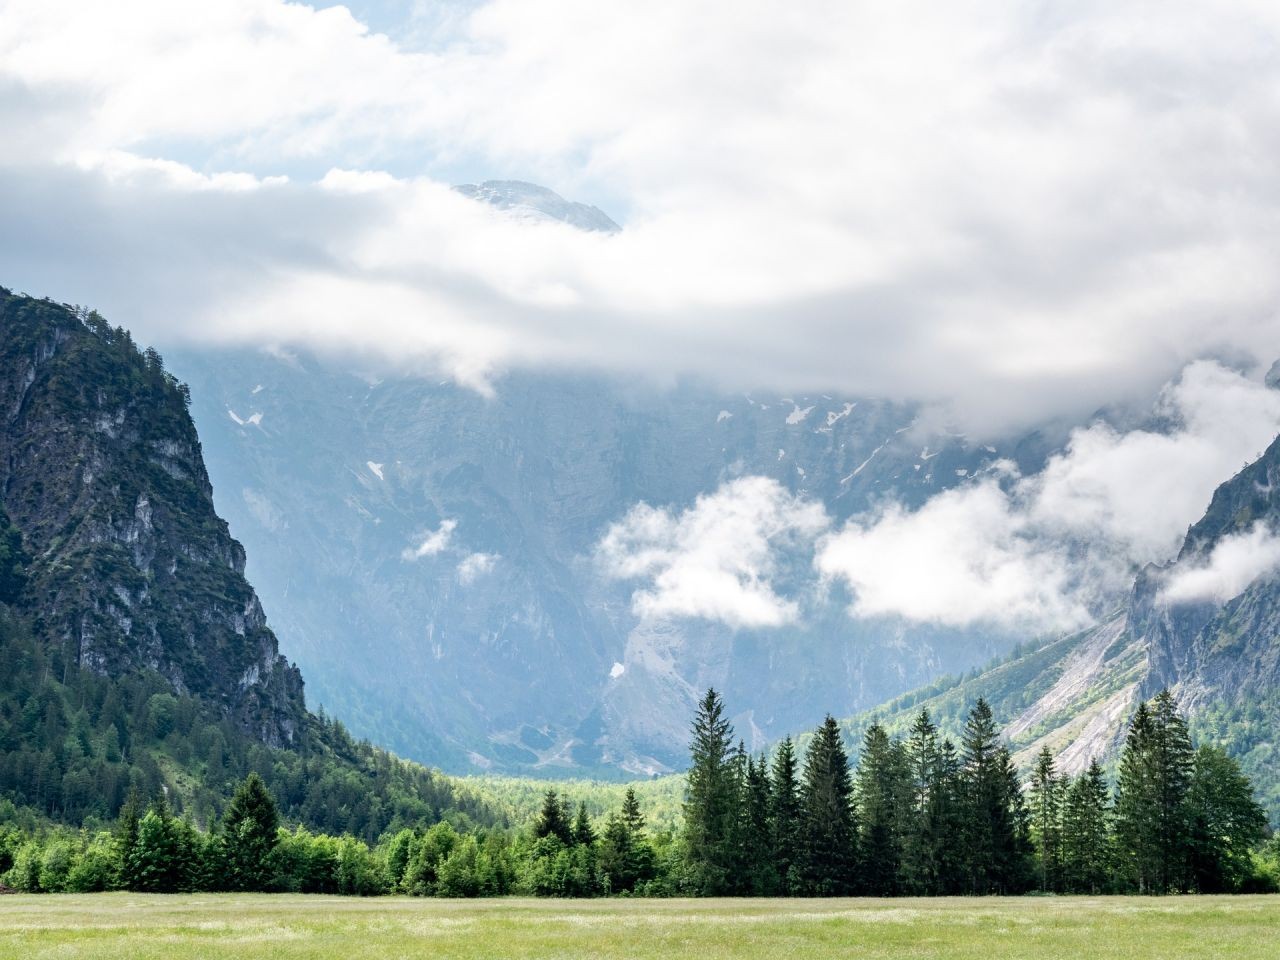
x,y
1010,211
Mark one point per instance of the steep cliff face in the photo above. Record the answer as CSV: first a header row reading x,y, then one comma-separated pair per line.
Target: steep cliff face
x,y
129,566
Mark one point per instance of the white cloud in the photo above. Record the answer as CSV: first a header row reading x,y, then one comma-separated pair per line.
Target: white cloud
x,y
476,565
433,543
717,559
1017,210
1045,551
1234,563
968,555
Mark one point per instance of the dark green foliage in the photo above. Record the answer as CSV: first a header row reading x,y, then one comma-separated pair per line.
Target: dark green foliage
x,y
1151,791
710,815
829,835
997,832
1224,822
248,838
884,791
553,821
785,815
1087,856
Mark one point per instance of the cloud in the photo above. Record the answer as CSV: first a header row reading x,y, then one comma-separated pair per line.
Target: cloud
x,y
717,559
476,565
433,543
967,556
1049,550
1017,212
1234,563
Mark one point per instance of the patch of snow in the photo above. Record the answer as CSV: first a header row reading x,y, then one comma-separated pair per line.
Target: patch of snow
x,y
926,455
862,466
256,390
800,470
833,416
616,670
962,472
255,420
233,416
432,543
781,453
797,415
723,415
989,449
375,469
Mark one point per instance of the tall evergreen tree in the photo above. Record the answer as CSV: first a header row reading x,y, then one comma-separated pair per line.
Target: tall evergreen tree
x,y
1152,786
881,786
1046,801
829,857
583,833
553,821
710,808
997,841
1086,833
1225,822
759,871
785,814
249,835
920,830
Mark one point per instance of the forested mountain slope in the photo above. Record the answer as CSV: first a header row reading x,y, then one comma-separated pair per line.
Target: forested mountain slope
x,y
133,652
1206,625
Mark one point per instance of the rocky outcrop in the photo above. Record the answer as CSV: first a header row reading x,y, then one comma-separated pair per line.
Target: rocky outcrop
x,y
130,567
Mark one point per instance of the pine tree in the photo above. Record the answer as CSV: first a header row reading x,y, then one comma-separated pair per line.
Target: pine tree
x,y
1046,799
759,871
920,832
1152,786
828,864
553,821
583,833
710,801
785,814
1225,822
997,840
1086,833
249,835
881,787
948,813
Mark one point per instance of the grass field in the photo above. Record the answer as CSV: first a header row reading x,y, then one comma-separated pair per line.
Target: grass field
x,y
229,926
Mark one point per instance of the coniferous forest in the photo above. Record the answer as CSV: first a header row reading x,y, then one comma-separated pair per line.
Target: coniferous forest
x,y
918,815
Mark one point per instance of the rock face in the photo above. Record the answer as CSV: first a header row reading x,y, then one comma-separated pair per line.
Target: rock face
x,y
532,202
129,566
1217,649
530,659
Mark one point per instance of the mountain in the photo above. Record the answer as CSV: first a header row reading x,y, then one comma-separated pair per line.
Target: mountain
x,y
133,651
529,201
1206,625
429,555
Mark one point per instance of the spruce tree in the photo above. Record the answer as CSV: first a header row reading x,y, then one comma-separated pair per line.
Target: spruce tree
x,y
1086,833
881,788
1225,822
583,833
710,807
829,855
1046,802
249,835
785,814
997,844
759,870
1151,792
920,830
553,821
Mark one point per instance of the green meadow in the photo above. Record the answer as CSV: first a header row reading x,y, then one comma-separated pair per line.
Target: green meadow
x,y
248,926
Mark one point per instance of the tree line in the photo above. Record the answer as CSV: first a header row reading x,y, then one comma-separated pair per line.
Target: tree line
x,y
916,815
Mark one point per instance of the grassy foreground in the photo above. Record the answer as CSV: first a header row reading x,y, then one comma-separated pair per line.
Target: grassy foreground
x,y
250,926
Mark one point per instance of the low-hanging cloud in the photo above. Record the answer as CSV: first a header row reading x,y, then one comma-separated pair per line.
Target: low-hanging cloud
x,y
715,560
475,565
1051,550
1234,562
1014,211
